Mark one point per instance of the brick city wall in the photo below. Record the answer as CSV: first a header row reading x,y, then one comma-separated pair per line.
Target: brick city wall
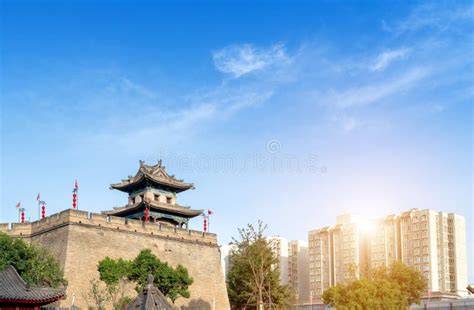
x,y
80,240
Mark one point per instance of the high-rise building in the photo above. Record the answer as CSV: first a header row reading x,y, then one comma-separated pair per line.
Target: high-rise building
x,y
298,278
320,261
280,248
432,242
435,244
336,254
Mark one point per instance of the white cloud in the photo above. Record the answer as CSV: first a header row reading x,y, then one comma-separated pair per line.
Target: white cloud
x,y
434,15
131,86
179,125
348,123
386,58
369,94
239,60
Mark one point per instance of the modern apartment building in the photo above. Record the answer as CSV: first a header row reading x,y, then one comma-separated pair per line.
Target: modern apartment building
x,y
336,254
435,244
298,278
280,248
429,241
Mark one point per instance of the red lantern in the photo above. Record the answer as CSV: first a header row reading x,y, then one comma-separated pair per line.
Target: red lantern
x,y
205,224
74,200
146,215
43,211
22,216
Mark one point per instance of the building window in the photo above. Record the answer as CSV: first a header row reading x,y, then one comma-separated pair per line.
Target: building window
x,y
156,197
168,199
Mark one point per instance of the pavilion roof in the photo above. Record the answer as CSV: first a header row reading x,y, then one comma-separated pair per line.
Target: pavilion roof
x,y
157,206
150,298
13,289
155,174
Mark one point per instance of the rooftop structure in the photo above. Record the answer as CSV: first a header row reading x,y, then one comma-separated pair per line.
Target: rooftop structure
x,y
150,298
152,197
15,292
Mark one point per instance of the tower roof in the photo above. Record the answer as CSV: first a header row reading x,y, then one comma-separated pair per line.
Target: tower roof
x,y
154,205
155,175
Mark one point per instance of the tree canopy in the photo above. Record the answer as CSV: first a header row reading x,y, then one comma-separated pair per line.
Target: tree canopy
x,y
33,263
172,282
253,279
395,287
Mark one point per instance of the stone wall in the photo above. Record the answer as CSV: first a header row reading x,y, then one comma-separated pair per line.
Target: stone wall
x,y
80,240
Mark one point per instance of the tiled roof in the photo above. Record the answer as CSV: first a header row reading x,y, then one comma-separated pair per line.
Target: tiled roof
x,y
14,289
155,205
156,174
150,299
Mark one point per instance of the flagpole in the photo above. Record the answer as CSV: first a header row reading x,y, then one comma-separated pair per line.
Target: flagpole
x,y
75,196
38,198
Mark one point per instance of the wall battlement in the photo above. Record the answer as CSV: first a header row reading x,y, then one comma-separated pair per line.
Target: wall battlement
x,y
79,240
77,217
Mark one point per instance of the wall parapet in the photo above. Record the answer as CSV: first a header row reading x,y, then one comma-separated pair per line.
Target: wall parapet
x,y
79,217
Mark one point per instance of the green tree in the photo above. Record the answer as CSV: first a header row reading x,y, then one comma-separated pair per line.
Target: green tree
x,y
412,283
34,264
253,280
172,282
114,273
98,295
112,270
395,287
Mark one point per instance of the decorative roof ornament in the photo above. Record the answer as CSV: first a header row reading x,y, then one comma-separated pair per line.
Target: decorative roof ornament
x,y
150,279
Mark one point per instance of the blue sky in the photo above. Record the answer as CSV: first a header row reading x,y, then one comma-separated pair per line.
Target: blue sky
x,y
289,112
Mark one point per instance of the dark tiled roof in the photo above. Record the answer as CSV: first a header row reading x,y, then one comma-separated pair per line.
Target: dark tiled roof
x,y
14,289
156,174
150,299
155,205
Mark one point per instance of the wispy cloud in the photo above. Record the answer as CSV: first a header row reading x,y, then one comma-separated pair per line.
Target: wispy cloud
x,y
372,93
348,123
239,60
179,124
129,85
434,15
386,58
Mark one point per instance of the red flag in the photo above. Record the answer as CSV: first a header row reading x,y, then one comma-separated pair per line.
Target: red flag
x,y
38,197
209,212
18,205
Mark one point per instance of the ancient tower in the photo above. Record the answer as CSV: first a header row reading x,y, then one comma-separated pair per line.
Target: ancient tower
x,y
152,197
151,219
